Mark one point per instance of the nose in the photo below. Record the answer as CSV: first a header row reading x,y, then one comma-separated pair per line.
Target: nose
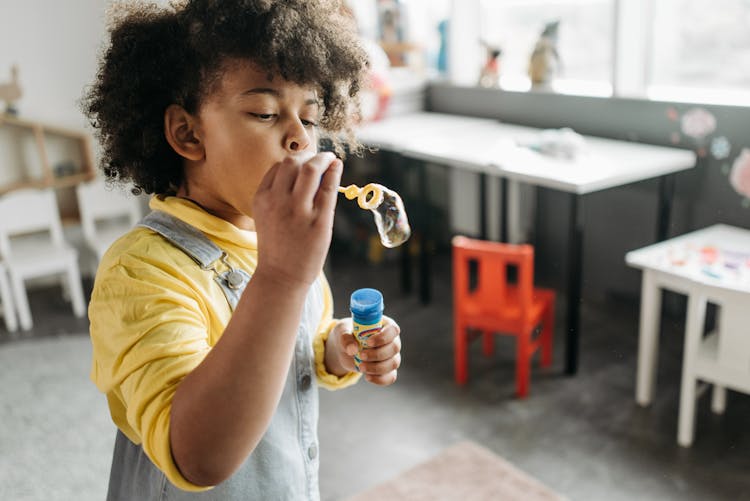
x,y
297,137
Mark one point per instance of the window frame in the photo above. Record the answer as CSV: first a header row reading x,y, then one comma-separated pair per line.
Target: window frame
x,y
631,60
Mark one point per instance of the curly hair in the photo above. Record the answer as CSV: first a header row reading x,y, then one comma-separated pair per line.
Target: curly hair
x,y
160,56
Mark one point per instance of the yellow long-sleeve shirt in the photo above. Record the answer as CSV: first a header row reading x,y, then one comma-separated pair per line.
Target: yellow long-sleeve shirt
x,y
155,314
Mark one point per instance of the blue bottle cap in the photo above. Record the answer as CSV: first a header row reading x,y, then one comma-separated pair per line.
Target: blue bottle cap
x,y
366,305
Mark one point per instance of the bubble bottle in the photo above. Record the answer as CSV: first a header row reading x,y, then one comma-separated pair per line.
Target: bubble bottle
x,y
387,208
366,306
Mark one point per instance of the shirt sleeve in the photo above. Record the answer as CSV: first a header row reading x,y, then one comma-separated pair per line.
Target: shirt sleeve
x,y
326,379
148,331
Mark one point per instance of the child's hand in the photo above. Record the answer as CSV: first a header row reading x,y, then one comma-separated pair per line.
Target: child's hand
x,y
380,360
293,212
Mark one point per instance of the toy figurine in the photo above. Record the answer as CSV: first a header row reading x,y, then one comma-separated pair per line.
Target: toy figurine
x,y
10,92
490,75
442,59
545,60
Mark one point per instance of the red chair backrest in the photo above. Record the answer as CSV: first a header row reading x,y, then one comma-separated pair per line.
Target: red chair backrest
x,y
493,260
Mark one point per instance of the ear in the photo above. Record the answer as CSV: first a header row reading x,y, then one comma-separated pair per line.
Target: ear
x,y
182,133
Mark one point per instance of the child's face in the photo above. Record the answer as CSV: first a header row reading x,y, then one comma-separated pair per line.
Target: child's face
x,y
248,124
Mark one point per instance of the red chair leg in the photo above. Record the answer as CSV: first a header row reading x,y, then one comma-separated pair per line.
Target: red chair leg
x,y
488,343
523,359
460,354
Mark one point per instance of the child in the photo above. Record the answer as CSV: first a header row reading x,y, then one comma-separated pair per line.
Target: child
x,y
211,321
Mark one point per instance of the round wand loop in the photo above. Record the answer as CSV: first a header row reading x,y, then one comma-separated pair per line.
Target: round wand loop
x,y
368,197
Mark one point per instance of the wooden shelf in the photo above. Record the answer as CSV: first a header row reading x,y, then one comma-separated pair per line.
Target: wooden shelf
x,y
42,133
43,145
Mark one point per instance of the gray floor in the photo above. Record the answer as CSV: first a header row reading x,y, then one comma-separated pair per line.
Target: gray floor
x,y
583,436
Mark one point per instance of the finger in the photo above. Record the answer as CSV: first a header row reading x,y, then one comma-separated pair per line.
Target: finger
x,y
308,177
380,353
384,380
327,195
268,179
381,368
349,344
387,334
286,175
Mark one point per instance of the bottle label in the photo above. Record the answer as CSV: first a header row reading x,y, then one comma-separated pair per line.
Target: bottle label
x,y
362,333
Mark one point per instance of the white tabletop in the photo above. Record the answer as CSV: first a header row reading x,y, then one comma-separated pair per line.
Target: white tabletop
x,y
486,145
717,256
402,131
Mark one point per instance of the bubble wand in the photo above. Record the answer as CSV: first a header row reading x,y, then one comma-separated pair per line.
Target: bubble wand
x,y
387,208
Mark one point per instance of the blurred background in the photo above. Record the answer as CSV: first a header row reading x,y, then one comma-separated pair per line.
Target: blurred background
x,y
672,75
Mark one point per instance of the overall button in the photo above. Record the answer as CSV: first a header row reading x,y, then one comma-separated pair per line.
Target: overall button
x,y
305,382
312,451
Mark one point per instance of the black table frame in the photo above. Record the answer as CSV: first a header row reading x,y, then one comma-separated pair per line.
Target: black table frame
x,y
575,245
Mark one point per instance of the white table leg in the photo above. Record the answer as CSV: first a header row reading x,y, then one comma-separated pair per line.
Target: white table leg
x,y
9,312
696,316
719,393
21,301
718,399
648,339
75,288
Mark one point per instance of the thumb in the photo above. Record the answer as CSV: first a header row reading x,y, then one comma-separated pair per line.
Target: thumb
x,y
349,344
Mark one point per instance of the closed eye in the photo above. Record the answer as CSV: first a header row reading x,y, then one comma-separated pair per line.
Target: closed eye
x,y
264,117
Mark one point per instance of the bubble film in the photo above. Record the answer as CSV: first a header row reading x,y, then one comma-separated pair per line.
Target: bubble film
x,y
387,209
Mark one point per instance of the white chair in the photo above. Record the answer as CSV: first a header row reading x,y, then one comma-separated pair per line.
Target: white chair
x,y
32,245
9,312
106,214
721,358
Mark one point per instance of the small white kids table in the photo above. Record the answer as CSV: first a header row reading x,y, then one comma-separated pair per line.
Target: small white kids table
x,y
708,265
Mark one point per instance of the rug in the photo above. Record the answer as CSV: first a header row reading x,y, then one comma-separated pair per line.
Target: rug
x,y
56,436
463,472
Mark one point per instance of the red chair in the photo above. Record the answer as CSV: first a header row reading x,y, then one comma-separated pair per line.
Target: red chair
x,y
496,306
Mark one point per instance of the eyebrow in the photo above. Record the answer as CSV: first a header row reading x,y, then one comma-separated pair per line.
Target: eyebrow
x,y
275,93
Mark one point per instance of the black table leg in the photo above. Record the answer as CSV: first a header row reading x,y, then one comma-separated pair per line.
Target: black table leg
x,y
483,206
398,166
575,281
425,234
405,254
666,194
506,207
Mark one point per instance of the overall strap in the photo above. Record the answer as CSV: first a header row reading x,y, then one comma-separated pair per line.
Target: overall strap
x,y
189,239
201,249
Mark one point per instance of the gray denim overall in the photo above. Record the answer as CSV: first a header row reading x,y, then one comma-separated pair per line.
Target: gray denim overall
x,y
284,465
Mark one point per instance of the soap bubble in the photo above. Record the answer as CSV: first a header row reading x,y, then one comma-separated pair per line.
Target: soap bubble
x,y
387,209
390,218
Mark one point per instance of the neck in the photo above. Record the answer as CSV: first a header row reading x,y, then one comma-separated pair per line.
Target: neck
x,y
220,210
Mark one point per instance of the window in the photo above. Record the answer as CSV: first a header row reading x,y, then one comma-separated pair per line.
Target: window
x,y
672,50
585,38
701,51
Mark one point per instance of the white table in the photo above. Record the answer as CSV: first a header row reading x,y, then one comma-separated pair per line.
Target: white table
x,y
489,147
700,265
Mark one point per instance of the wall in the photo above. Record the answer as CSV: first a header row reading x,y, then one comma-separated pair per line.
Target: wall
x,y
619,219
56,46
